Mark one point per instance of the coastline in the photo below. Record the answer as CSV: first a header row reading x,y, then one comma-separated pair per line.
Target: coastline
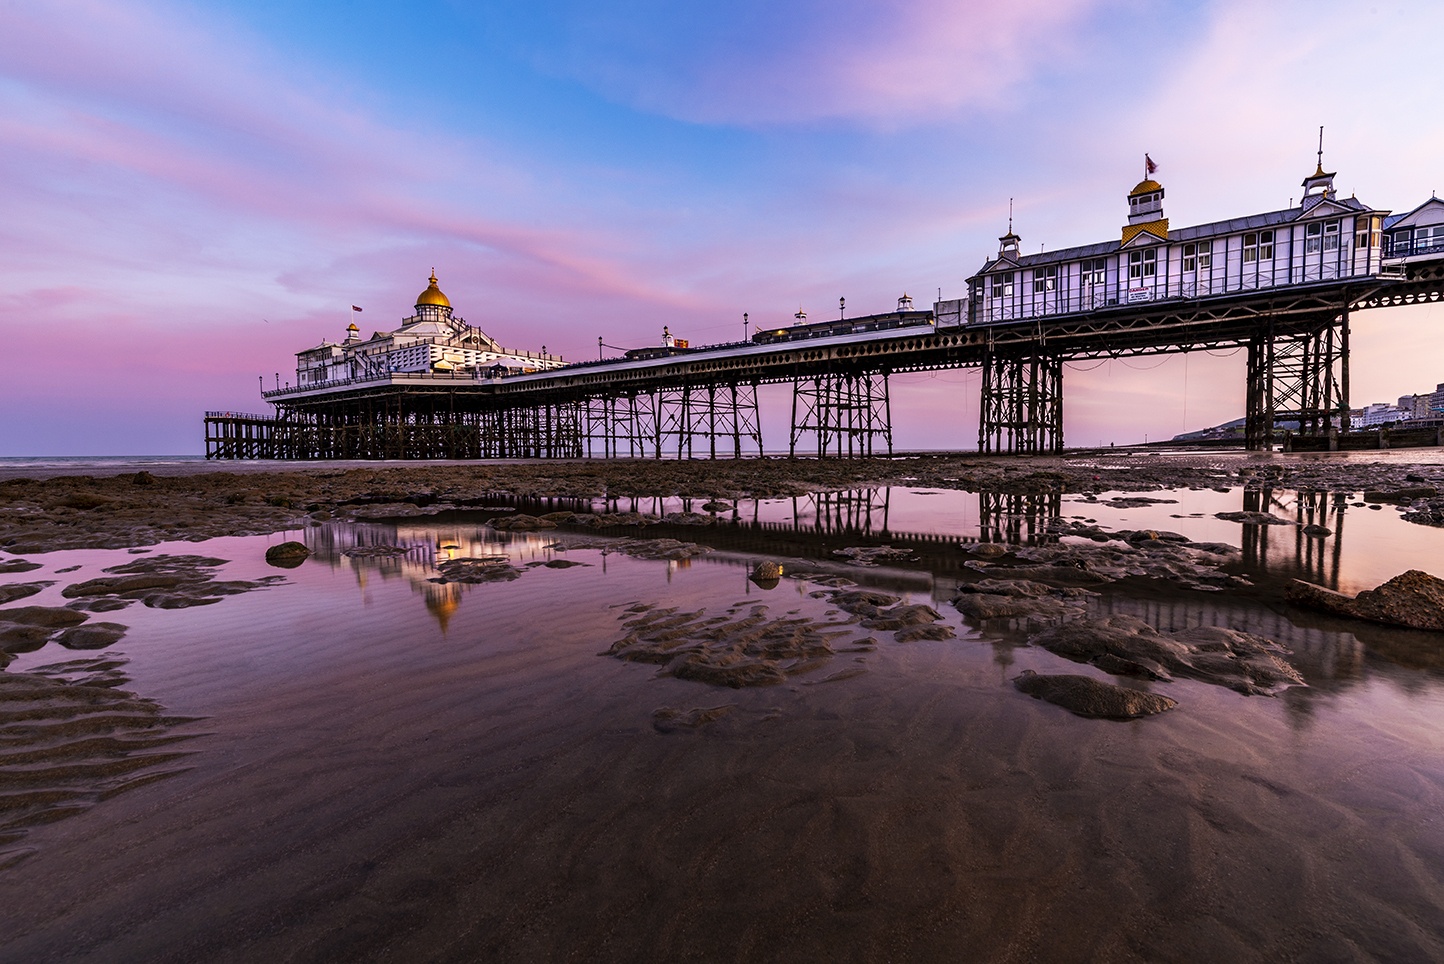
x,y
44,510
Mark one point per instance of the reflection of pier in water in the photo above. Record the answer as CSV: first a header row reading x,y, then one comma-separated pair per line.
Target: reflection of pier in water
x,y
1314,559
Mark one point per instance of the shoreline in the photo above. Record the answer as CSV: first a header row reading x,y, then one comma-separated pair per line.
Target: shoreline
x,y
130,509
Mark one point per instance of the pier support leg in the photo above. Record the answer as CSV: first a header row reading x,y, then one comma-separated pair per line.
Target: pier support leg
x,y
1300,378
849,414
1021,408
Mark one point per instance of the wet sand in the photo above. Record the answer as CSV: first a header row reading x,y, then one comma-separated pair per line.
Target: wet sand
x,y
369,779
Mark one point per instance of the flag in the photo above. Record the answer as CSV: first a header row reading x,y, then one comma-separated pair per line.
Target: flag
x,y
1148,165
354,308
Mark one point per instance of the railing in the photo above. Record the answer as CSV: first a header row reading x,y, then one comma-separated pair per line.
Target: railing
x,y
1032,305
1415,247
242,415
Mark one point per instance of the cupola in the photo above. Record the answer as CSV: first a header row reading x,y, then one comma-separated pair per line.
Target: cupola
x,y
1145,207
1318,186
431,304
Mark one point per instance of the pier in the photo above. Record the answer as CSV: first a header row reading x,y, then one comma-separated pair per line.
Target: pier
x,y
1283,285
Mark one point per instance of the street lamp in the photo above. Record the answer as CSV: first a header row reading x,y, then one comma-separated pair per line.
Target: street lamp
x,y
744,326
841,308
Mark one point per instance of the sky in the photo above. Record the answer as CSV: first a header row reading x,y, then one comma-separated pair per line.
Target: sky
x,y
190,193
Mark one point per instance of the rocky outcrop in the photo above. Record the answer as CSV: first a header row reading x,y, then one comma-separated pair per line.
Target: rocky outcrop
x,y
287,555
1126,646
1092,698
1414,600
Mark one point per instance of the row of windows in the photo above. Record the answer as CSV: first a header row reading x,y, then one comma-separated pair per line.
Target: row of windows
x,y
1258,246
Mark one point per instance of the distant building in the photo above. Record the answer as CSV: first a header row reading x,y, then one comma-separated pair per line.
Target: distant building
x,y
432,340
1381,413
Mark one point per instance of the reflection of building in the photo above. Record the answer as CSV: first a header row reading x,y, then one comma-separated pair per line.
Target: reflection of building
x,y
412,551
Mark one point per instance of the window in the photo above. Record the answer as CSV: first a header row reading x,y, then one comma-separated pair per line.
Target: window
x,y
1321,235
1142,264
1095,272
1198,256
1258,246
1045,279
1003,285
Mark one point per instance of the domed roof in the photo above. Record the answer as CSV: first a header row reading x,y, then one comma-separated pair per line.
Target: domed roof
x,y
1146,186
432,295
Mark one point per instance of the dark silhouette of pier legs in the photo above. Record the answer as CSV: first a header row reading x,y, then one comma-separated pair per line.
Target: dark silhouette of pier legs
x,y
847,412
1021,407
1297,377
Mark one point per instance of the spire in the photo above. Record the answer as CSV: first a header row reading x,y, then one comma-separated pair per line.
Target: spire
x,y
1319,185
1008,243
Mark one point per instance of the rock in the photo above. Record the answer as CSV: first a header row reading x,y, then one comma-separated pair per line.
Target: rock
x,y
1318,531
142,478
766,574
91,636
727,669
717,506
18,565
1091,698
871,555
1254,518
1401,496
287,555
521,522
1125,646
901,617
117,585
1414,600
20,590
666,719
937,631
989,550
49,617
477,570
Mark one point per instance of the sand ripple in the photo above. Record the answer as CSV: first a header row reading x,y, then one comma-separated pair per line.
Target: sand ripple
x,y
70,737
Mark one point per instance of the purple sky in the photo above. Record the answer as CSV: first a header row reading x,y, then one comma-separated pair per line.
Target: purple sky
x,y
193,192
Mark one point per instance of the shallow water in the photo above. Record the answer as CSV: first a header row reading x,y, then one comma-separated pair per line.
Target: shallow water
x,y
379,765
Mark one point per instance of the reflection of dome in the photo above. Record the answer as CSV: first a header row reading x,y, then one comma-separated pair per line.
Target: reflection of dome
x,y
442,600
1145,186
432,295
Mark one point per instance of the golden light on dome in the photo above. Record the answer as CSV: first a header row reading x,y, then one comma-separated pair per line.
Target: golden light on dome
x,y
432,295
1145,186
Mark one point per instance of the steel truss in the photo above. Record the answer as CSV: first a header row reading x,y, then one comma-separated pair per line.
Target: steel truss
x,y
1300,377
552,430
686,413
1021,408
622,425
847,412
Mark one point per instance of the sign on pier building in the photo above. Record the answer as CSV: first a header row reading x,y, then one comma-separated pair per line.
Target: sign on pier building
x,y
1324,239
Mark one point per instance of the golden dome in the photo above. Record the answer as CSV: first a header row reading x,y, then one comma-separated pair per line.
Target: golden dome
x,y
432,295
1145,186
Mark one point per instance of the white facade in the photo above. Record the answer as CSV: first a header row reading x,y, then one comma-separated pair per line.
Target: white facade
x,y
1419,233
1323,239
433,340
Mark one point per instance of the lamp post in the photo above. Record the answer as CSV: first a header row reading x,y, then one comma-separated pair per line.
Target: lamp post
x,y
744,326
599,348
841,308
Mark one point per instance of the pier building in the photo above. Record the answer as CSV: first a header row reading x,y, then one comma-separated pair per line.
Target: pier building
x,y
434,339
1325,238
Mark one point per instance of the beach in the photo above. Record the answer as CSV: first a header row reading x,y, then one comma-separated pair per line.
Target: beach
x,y
454,734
